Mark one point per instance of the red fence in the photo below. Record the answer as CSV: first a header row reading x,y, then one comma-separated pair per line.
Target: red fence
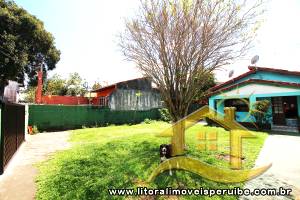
x,y
65,100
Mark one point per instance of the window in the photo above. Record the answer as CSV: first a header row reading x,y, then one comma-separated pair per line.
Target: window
x,y
277,105
241,105
103,101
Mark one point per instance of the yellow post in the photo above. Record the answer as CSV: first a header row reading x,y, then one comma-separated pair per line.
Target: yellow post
x,y
178,140
229,113
235,140
235,149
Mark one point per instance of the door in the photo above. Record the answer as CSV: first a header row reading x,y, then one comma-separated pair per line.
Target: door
x,y
278,113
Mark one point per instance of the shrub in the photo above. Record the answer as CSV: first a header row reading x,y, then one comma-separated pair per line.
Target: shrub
x,y
165,115
147,121
259,111
35,130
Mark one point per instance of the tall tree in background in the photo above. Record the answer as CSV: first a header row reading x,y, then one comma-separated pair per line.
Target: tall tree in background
x,y
204,91
24,44
179,43
55,85
75,85
96,86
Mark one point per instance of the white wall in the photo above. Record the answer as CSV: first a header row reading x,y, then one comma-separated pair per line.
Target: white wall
x,y
258,89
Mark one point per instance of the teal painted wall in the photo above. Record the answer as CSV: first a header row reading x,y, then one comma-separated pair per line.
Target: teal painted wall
x,y
244,117
219,103
298,102
220,106
211,103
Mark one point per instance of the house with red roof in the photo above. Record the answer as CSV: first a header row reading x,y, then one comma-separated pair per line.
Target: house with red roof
x,y
280,87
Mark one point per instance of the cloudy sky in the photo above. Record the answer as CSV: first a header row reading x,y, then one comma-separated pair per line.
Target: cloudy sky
x,y
86,33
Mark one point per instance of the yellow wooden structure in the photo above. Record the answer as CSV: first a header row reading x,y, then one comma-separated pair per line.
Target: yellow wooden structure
x,y
237,133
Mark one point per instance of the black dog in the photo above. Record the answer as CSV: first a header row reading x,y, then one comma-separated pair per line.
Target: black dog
x,y
165,152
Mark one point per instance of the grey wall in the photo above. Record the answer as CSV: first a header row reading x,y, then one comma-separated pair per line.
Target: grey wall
x,y
134,100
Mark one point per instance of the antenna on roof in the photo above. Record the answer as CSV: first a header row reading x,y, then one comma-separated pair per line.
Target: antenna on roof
x,y
254,60
230,74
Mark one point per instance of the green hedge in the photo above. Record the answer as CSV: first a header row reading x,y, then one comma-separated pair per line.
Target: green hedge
x,y
60,117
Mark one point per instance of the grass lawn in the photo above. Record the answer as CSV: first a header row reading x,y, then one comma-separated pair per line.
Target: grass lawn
x,y
124,157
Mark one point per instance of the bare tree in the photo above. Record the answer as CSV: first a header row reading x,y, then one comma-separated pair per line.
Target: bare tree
x,y
178,43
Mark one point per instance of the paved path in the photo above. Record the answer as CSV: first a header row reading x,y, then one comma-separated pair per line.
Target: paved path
x,y
18,181
283,152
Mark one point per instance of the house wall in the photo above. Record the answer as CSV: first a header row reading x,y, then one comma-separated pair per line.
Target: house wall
x,y
253,88
258,92
220,106
244,117
134,100
254,92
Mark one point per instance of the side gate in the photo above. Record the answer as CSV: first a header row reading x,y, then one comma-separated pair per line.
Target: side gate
x,y
12,131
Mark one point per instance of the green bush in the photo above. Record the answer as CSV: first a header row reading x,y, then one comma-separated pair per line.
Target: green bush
x,y
260,111
147,121
165,115
35,130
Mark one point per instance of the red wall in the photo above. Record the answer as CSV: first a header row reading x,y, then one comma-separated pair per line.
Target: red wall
x,y
65,100
72,100
96,101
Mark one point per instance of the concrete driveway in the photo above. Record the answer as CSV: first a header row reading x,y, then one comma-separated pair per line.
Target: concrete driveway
x,y
283,151
18,180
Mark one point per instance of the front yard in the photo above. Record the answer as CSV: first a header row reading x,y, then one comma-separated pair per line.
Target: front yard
x,y
124,157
